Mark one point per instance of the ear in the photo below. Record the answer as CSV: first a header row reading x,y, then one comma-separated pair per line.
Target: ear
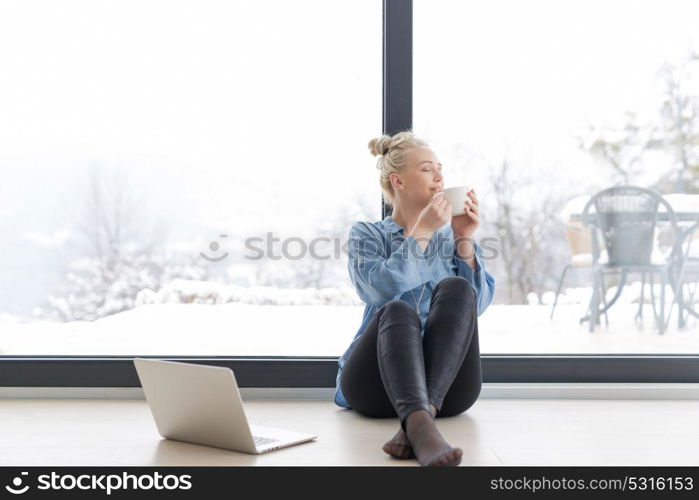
x,y
395,181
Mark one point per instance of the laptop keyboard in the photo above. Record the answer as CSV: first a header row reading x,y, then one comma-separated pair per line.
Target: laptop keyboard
x,y
263,440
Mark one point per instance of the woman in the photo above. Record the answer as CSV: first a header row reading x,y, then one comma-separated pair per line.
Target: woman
x,y
416,355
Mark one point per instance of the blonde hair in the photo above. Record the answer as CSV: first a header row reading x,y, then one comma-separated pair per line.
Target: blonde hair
x,y
393,162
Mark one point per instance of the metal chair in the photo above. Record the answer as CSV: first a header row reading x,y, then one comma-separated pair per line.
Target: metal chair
x,y
688,274
626,218
579,242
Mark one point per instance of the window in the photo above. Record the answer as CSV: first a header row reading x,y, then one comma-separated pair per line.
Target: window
x,y
539,107
167,166
144,135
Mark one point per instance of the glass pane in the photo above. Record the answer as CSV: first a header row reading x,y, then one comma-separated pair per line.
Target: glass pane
x,y
167,166
541,107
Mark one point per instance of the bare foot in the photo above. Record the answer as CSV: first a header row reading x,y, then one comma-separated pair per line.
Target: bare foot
x,y
428,444
399,446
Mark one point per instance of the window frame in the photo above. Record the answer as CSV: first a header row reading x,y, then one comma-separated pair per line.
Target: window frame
x,y
320,371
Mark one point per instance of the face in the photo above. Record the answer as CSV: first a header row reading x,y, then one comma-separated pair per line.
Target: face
x,y
421,178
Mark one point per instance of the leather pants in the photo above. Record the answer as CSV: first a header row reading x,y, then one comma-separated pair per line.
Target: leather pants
x,y
393,370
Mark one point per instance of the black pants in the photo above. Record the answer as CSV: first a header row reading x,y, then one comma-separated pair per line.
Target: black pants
x,y
393,371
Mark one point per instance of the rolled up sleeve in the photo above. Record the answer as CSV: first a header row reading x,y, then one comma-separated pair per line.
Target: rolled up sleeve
x,y
379,278
482,281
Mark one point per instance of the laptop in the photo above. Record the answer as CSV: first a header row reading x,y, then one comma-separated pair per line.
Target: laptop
x,y
201,404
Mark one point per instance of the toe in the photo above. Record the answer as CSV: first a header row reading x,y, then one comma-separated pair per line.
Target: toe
x,y
453,458
448,458
398,450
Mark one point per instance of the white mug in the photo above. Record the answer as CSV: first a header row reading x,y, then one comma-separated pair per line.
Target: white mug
x,y
456,196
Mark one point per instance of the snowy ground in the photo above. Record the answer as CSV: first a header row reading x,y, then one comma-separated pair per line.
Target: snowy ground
x,y
320,330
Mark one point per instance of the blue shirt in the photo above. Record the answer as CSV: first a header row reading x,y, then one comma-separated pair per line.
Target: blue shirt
x,y
384,265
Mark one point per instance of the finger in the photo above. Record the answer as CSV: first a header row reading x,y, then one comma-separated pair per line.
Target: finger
x,y
439,207
434,200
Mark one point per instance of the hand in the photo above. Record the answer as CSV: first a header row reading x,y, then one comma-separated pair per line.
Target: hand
x,y
435,214
465,225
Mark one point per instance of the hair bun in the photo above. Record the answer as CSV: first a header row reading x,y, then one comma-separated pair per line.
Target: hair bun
x,y
378,146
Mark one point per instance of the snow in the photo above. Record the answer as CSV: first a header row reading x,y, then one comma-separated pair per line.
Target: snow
x,y
683,202
574,206
240,329
209,292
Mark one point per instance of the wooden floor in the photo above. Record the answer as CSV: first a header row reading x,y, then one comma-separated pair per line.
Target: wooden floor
x,y
492,432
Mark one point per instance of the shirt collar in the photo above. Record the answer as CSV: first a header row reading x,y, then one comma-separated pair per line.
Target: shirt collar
x,y
392,226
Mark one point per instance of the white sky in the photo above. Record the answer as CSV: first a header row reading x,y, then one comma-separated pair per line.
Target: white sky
x,y
531,74
228,116
217,101
234,116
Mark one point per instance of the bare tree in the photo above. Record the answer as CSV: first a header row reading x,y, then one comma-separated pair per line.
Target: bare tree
x,y
325,269
676,133
622,150
120,253
680,123
112,219
522,212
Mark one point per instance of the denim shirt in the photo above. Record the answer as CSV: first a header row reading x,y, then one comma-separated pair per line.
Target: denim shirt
x,y
384,265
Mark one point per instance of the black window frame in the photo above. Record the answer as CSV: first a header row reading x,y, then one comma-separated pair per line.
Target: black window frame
x,y
320,371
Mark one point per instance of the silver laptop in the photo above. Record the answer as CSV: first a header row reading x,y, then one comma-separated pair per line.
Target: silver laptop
x,y
201,404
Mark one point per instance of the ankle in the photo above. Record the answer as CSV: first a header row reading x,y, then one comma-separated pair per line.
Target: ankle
x,y
418,417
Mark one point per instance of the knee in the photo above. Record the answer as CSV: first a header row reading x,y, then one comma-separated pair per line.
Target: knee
x,y
457,285
401,308
399,312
